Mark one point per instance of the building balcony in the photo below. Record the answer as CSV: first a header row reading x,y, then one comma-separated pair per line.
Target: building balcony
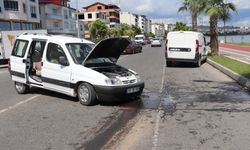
x,y
53,16
62,31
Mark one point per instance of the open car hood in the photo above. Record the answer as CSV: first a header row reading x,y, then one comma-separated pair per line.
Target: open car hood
x,y
110,48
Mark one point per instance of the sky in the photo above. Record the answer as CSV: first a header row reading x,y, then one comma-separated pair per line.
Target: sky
x,y
166,10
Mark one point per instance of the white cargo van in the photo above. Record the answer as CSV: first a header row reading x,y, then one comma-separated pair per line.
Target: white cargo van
x,y
185,46
70,66
140,39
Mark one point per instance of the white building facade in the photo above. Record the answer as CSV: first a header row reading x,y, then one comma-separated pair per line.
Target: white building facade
x,y
158,29
58,19
129,18
19,15
140,21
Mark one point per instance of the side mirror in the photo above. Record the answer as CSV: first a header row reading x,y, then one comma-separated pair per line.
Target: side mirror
x,y
63,61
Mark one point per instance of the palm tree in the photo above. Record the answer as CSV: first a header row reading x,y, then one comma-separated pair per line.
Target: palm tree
x,y
216,9
195,7
225,16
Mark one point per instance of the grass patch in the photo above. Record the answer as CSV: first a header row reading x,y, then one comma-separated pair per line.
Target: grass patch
x,y
241,44
236,66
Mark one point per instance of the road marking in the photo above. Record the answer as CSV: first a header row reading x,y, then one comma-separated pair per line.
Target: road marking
x,y
238,59
18,104
159,114
235,53
163,78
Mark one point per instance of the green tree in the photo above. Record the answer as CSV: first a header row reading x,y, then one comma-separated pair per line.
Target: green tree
x,y
136,29
98,30
149,34
112,32
180,26
194,7
216,10
123,28
226,16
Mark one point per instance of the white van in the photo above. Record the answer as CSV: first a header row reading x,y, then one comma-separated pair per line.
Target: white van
x,y
70,66
185,46
140,39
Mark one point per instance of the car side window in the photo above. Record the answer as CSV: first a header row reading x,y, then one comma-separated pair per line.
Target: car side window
x,y
54,51
20,48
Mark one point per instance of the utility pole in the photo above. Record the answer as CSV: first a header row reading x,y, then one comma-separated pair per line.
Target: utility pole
x,y
77,19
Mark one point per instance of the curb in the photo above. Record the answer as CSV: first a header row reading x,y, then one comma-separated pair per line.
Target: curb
x,y
243,81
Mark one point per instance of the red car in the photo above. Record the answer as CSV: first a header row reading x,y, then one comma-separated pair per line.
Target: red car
x,y
132,48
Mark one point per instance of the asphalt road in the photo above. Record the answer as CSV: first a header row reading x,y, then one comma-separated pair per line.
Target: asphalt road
x,y
243,56
182,107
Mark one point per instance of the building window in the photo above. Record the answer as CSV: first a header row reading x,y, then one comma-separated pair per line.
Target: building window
x,y
4,26
16,26
0,9
65,14
33,11
81,16
66,25
10,5
54,11
99,7
70,14
81,27
90,16
24,8
56,25
33,0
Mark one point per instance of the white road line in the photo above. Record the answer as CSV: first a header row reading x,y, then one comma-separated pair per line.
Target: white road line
x,y
236,51
225,51
158,117
18,104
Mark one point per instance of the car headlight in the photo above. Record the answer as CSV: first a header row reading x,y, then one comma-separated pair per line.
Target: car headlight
x,y
113,81
138,78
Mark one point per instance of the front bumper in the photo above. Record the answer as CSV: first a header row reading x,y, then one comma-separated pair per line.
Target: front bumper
x,y
117,93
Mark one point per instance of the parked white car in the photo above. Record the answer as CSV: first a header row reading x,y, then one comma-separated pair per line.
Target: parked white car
x,y
185,47
156,42
70,66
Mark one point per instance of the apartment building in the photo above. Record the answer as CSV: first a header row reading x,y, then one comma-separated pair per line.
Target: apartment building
x,y
129,18
158,29
19,15
140,21
58,17
109,13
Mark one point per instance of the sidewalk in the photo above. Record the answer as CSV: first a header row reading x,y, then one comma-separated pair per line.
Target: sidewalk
x,y
235,47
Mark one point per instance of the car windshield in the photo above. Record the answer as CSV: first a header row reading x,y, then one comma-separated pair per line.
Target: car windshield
x,y
79,51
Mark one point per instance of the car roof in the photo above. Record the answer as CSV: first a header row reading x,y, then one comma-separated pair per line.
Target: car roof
x,y
58,38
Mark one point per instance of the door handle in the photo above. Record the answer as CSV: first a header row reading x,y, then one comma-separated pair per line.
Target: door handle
x,y
24,60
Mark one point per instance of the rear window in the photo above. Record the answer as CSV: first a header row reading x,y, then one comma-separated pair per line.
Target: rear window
x,y
20,48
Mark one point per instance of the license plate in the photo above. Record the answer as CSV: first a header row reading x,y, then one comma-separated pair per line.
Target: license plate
x,y
133,90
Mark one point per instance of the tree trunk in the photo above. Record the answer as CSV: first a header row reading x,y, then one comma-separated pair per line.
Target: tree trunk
x,y
225,34
194,22
214,45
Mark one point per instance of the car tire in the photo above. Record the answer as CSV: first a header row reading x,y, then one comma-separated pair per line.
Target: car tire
x,y
86,94
169,63
21,88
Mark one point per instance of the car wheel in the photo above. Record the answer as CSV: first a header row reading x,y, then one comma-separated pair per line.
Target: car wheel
x,y
86,94
169,63
21,88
